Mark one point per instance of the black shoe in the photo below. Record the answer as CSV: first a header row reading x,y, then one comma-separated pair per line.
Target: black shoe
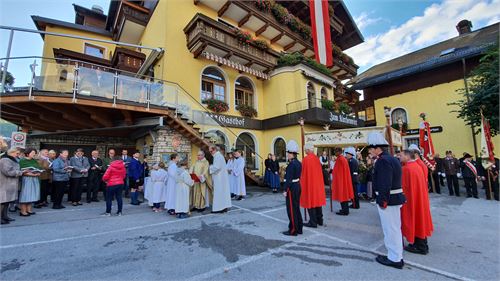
x,y
469,196
309,224
458,195
476,197
5,221
299,231
385,261
320,223
57,207
288,233
79,203
200,210
413,249
9,219
95,200
32,213
38,206
135,204
451,194
88,201
340,213
23,215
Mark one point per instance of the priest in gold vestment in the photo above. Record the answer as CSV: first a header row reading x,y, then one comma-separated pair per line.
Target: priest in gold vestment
x,y
204,186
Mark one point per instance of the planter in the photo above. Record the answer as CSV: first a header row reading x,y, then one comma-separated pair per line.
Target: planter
x,y
246,110
216,105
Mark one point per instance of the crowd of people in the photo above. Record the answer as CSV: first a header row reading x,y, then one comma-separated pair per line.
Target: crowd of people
x,y
29,178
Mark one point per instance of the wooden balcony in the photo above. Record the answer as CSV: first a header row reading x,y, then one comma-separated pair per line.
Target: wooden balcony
x,y
205,35
248,16
343,70
129,21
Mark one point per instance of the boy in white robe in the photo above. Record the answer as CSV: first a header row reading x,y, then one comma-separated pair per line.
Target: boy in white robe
x,y
238,175
171,184
183,184
158,184
229,168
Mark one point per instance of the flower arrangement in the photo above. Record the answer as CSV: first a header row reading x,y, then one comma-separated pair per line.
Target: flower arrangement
x,y
246,110
260,44
246,37
422,115
337,52
216,105
345,108
264,5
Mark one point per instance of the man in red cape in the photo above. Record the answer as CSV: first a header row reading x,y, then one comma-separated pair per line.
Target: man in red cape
x,y
342,183
416,220
313,187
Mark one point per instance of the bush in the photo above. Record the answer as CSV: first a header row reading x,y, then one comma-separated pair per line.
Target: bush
x,y
216,105
345,108
296,58
328,104
246,110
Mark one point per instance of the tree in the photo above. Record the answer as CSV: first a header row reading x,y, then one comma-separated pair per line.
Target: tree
x,y
483,93
9,79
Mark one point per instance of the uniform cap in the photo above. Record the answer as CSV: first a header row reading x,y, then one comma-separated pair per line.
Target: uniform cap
x,y
351,150
414,148
292,147
376,139
308,146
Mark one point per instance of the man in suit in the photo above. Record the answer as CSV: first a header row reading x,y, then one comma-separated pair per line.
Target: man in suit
x,y
451,168
126,160
95,175
350,152
470,175
135,178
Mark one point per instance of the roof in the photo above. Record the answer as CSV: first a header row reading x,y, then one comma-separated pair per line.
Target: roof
x,y
449,51
80,10
42,22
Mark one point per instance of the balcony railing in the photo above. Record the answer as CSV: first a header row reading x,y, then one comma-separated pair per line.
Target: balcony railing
x,y
203,31
313,111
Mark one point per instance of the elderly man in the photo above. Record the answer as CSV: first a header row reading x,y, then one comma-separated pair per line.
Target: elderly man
x,y
222,194
9,181
390,198
79,175
95,175
313,188
200,169
292,190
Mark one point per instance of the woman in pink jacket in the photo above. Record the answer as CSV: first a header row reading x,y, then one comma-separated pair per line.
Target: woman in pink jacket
x,y
113,177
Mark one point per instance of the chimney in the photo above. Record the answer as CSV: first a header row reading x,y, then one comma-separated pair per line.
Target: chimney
x,y
464,27
97,9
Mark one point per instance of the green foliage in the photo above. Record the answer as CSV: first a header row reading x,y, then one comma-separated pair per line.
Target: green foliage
x,y
216,105
296,58
246,110
483,93
9,79
396,126
328,104
345,108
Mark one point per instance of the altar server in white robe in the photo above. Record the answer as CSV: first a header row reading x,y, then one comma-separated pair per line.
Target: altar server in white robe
x,y
222,195
238,175
229,168
184,183
171,184
157,184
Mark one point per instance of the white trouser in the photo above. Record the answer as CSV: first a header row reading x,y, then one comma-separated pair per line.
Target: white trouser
x,y
390,218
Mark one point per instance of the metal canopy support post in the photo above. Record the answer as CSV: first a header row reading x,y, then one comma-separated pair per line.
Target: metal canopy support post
x,y
6,66
33,69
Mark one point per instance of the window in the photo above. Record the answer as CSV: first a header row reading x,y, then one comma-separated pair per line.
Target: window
x,y
245,143
410,141
311,95
324,94
280,149
213,85
397,114
94,51
370,113
244,92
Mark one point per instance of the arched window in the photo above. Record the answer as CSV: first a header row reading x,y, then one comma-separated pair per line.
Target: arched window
x,y
244,92
397,114
246,144
218,138
311,95
279,148
324,93
213,84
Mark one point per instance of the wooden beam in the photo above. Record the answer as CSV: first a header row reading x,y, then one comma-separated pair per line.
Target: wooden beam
x,y
228,55
200,50
224,8
245,19
96,116
262,29
248,64
129,120
277,37
196,2
289,46
81,120
304,50
35,117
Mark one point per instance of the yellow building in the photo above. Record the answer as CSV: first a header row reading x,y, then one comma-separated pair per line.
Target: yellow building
x,y
183,74
426,81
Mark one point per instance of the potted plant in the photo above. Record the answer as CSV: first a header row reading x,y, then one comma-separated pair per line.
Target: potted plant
x,y
264,5
327,104
260,44
345,108
246,110
216,105
243,36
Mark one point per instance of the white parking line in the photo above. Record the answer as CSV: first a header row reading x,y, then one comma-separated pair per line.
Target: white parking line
x,y
414,264
272,210
106,232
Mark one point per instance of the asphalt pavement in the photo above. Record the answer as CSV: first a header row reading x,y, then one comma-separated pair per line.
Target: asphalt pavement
x,y
77,243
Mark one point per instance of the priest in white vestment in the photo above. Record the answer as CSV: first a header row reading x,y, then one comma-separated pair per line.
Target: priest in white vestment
x,y
171,184
222,194
238,174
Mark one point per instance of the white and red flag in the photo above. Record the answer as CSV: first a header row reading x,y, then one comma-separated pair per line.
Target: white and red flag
x,y
425,138
320,24
486,153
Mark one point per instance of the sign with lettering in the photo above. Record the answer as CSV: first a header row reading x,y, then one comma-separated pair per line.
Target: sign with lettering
x,y
348,137
342,119
437,129
18,140
215,119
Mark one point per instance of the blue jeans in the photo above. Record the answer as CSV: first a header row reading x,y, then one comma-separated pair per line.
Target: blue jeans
x,y
114,191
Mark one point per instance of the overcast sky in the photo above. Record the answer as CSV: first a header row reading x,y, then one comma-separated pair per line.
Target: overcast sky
x,y
391,28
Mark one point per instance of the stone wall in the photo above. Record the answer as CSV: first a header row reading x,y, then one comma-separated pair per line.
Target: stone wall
x,y
168,141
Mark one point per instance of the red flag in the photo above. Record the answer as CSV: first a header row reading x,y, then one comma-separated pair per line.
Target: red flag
x,y
425,138
320,25
486,143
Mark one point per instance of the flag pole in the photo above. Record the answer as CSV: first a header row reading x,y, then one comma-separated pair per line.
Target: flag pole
x,y
488,171
302,138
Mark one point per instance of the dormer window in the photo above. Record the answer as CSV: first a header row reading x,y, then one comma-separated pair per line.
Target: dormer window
x,y
93,50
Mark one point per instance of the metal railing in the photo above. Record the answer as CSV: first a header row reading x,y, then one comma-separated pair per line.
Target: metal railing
x,y
303,104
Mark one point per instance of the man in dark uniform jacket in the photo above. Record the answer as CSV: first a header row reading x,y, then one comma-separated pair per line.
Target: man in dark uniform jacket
x,y
493,180
292,190
95,175
451,167
470,175
350,154
387,186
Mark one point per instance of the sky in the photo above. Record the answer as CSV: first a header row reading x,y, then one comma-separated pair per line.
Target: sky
x,y
391,28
